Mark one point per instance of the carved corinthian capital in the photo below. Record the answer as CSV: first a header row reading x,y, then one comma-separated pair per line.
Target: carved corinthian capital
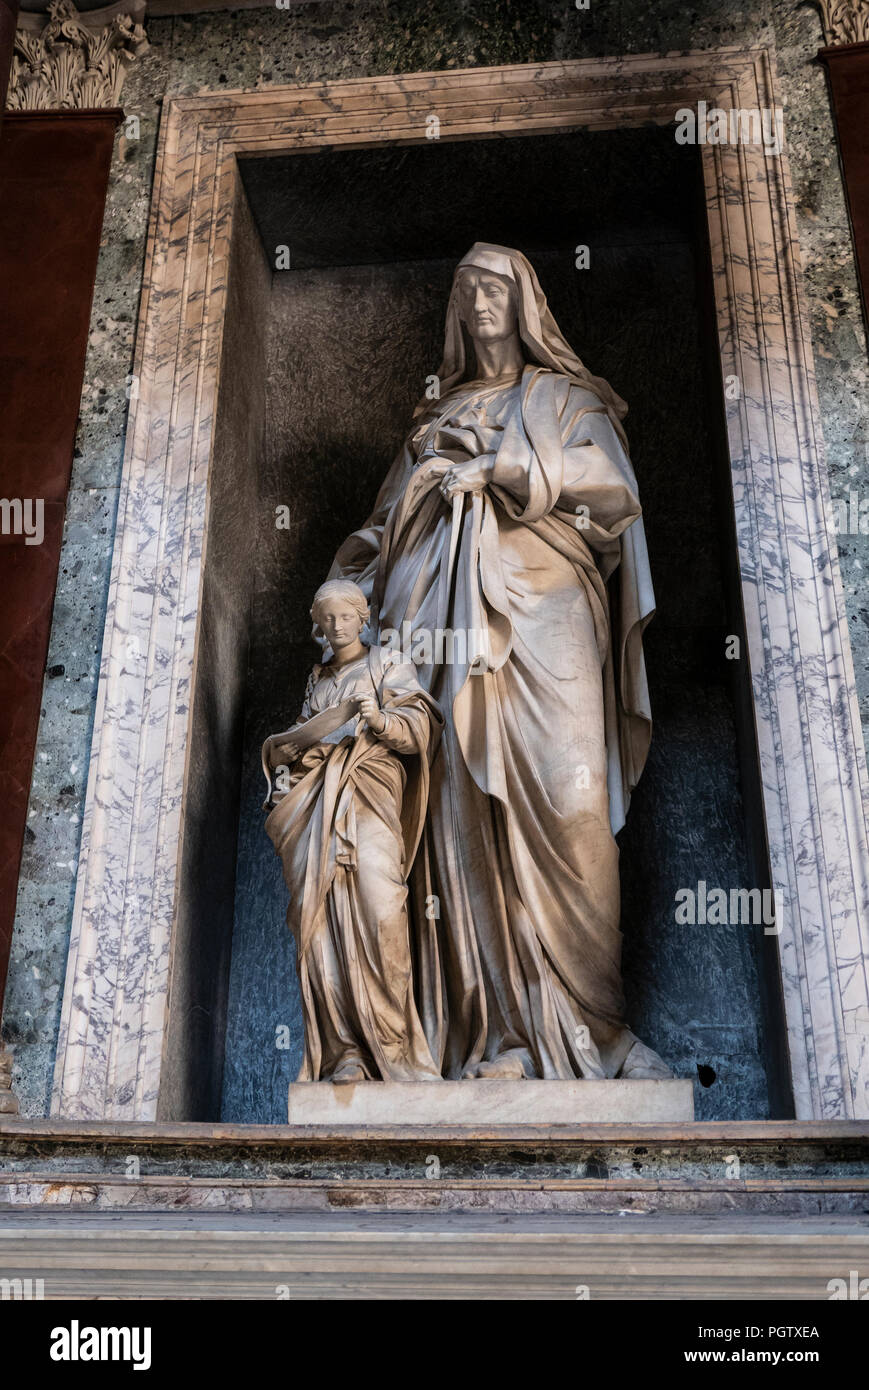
x,y
845,21
74,61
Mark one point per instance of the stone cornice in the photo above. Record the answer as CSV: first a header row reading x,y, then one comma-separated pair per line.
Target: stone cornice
x,y
73,61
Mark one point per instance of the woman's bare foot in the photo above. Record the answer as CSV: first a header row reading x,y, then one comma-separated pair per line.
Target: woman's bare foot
x,y
642,1064
347,1074
507,1067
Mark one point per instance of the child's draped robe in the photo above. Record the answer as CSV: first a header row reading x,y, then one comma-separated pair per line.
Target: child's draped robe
x,y
346,832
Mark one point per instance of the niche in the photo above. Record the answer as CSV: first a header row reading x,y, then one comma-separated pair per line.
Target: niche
x,y
323,361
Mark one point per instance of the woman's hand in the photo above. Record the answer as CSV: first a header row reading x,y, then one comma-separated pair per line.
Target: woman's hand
x,y
372,714
471,476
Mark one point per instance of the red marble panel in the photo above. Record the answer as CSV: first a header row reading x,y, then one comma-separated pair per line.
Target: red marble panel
x,y
54,168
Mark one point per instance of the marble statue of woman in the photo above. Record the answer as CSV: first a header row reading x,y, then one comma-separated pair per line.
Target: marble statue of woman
x,y
346,821
511,520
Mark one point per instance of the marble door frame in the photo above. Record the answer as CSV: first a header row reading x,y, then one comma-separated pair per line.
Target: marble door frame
x,y
812,760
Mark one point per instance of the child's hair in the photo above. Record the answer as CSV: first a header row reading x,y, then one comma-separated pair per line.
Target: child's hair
x,y
339,588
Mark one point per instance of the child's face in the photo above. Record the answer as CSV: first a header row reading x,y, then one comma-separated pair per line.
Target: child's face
x,y
341,623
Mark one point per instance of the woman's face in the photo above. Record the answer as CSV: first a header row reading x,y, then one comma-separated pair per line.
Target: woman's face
x,y
486,304
340,622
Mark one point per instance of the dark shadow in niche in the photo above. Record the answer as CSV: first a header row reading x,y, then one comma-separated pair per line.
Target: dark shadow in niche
x,y
354,327
199,967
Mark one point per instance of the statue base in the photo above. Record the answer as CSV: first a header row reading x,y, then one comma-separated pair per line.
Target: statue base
x,y
482,1103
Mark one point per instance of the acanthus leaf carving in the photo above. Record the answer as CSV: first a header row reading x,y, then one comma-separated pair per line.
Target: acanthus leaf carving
x,y
844,21
75,62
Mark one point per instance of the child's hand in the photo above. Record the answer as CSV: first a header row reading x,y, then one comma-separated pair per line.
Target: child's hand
x,y
283,753
372,714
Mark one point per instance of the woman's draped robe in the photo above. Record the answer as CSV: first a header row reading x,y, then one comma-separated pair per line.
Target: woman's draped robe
x,y
516,889
346,832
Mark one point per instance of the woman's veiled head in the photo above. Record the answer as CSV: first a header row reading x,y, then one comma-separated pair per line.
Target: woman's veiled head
x,y
540,337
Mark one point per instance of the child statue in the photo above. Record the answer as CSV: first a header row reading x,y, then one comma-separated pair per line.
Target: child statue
x,y
346,817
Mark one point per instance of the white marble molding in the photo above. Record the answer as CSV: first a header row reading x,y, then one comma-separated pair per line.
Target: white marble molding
x,y
812,760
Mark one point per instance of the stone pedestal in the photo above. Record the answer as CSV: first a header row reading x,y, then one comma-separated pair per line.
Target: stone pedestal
x,y
478,1103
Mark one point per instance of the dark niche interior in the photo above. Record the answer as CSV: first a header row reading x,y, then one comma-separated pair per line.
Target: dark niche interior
x,y
322,365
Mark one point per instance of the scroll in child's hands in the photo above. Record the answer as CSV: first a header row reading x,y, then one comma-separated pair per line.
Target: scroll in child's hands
x,y
285,748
